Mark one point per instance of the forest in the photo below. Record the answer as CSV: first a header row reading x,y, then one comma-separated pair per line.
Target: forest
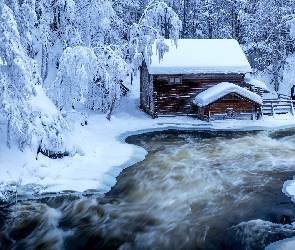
x,y
81,51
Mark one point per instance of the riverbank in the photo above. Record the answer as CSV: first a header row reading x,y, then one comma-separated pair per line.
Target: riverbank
x,y
102,152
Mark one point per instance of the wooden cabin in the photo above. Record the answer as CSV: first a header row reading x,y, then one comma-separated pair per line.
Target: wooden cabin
x,y
227,100
171,85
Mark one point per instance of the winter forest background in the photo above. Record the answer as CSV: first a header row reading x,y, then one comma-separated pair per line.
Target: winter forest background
x,y
82,51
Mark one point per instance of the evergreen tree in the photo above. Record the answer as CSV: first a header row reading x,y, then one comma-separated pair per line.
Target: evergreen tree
x,y
90,76
157,21
18,74
266,35
19,78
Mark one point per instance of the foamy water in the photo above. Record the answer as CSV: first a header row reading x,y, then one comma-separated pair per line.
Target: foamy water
x,y
195,190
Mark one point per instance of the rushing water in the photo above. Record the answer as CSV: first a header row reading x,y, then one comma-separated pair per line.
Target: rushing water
x,y
195,190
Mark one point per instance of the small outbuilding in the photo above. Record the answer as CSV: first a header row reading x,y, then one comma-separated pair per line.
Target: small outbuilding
x,y
174,85
227,100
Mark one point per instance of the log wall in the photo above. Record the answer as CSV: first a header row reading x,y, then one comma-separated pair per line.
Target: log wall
x,y
177,99
146,91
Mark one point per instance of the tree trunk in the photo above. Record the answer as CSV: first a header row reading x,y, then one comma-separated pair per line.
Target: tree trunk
x,y
184,20
210,24
276,61
44,66
111,109
234,21
276,76
166,26
8,133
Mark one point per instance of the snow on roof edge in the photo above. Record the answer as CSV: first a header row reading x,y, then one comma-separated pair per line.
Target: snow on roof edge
x,y
194,56
220,90
256,83
197,70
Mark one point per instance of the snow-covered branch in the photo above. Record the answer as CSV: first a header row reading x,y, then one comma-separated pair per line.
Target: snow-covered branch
x,y
157,21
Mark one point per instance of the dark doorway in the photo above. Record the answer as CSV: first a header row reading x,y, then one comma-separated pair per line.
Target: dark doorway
x,y
293,93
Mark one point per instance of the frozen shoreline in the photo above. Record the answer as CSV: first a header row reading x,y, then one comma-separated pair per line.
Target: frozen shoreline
x,y
104,152
100,145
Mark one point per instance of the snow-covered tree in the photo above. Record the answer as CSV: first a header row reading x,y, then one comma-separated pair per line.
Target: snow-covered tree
x,y
45,35
93,73
65,23
90,76
18,74
265,30
94,19
127,10
291,25
106,89
158,21
26,21
77,68
19,79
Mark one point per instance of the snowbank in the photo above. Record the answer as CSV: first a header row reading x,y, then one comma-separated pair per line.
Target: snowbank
x,y
288,77
41,102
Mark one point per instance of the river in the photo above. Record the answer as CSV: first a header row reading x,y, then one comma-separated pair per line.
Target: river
x,y
194,190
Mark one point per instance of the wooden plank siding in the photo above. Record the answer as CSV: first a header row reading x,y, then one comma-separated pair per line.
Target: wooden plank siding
x,y
177,98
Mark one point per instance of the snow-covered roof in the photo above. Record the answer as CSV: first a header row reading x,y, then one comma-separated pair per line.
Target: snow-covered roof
x,y
222,89
194,56
255,83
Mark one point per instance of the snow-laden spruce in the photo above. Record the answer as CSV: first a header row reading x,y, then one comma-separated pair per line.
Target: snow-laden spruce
x,y
19,78
92,73
18,74
88,75
157,21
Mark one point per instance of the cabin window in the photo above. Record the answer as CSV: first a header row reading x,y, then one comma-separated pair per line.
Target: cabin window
x,y
174,80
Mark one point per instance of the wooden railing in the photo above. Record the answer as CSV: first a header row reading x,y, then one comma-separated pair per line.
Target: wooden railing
x,y
277,106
